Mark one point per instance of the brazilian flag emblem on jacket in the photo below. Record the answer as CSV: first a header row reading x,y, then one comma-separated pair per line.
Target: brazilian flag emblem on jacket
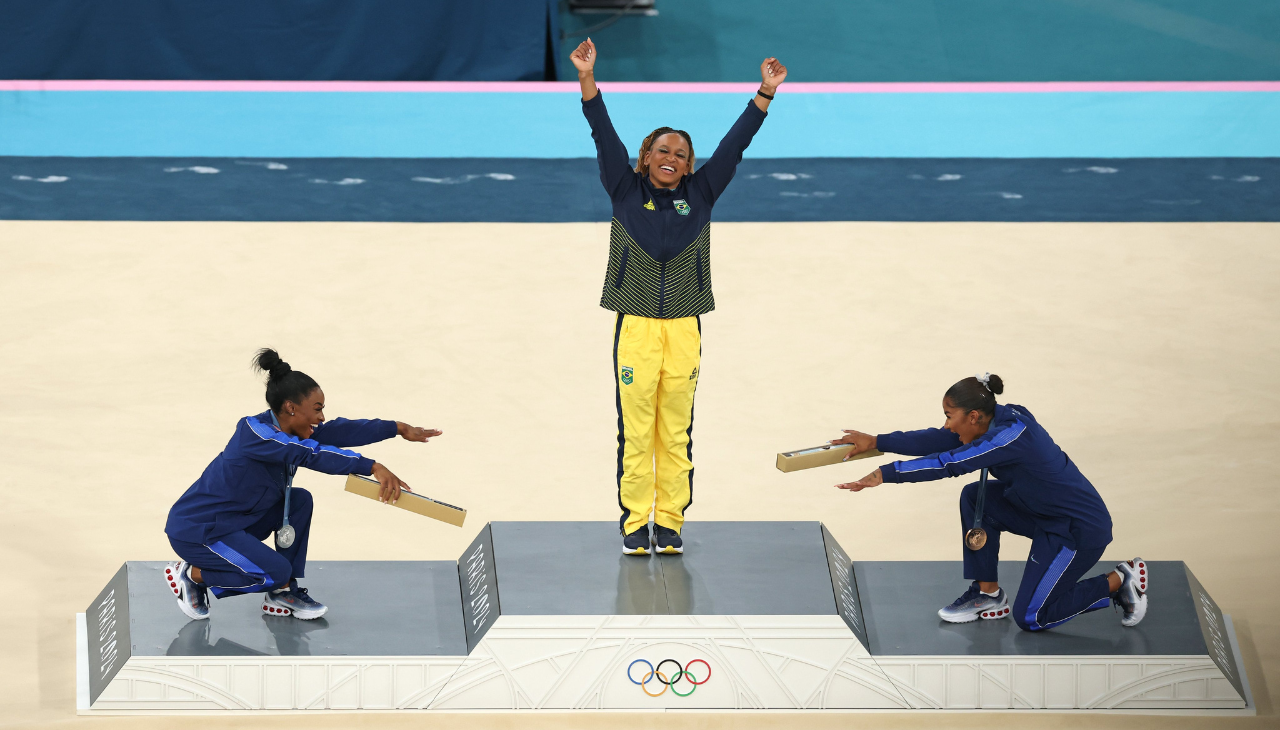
x,y
628,375
682,207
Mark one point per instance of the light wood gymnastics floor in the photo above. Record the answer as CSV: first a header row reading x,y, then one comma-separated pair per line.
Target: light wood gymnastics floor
x,y
1149,351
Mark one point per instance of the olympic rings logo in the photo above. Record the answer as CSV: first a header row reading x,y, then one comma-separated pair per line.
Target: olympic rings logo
x,y
681,673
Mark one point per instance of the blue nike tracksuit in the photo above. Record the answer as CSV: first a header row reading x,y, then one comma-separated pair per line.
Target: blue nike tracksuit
x,y
1036,491
218,525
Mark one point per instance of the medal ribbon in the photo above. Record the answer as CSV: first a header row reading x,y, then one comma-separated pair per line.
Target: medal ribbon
x,y
977,510
288,487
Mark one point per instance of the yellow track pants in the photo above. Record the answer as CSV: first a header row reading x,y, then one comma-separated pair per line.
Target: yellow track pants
x,y
655,363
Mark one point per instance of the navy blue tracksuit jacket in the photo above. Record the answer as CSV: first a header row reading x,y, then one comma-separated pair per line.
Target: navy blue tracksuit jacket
x,y
247,480
1040,479
1035,491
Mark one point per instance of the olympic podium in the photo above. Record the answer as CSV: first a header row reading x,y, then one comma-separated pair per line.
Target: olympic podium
x,y
550,616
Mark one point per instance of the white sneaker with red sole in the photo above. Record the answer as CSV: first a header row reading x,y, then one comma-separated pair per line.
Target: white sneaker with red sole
x,y
974,605
193,598
293,601
1135,580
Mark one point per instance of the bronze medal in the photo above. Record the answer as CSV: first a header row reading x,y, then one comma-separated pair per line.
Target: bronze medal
x,y
975,538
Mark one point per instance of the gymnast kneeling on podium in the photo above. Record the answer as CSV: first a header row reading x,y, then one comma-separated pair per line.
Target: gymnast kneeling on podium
x,y
217,526
1036,492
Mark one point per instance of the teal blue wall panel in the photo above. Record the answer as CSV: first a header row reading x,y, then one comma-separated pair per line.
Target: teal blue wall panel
x,y
942,40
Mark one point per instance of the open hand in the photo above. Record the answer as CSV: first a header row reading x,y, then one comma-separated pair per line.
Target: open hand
x,y
416,433
861,442
584,56
772,73
391,484
874,479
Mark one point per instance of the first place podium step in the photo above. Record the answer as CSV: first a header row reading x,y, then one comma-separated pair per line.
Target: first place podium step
x,y
551,616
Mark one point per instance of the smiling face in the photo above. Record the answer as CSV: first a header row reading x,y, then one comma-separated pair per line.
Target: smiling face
x,y
301,419
667,160
968,425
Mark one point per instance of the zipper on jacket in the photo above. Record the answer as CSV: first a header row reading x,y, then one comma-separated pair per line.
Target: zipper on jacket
x,y
698,263
662,267
662,289
622,266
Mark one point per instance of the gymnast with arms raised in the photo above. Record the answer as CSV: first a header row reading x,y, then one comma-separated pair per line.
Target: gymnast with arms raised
x,y
217,526
659,283
1036,491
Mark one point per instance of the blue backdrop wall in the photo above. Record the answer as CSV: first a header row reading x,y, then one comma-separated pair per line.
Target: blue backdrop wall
x,y
320,40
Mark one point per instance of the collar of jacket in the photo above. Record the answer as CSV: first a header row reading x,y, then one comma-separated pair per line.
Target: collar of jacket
x,y
1007,413
268,416
655,190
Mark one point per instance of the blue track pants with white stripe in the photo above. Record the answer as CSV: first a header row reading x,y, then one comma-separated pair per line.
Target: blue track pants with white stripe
x,y
1051,592
241,563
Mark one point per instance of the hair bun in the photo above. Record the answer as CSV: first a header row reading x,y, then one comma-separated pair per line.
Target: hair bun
x,y
280,370
995,384
268,361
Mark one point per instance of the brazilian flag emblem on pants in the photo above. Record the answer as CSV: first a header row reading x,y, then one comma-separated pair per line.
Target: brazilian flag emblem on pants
x,y
628,375
682,207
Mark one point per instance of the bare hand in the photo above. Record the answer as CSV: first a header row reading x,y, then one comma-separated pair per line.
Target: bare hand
x,y
772,73
416,433
391,484
874,479
584,57
861,442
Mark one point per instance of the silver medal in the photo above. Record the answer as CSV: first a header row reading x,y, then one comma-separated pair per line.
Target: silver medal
x,y
285,533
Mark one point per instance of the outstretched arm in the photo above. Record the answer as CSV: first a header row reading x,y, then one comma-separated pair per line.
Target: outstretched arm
x,y
263,442
995,447
909,443
344,433
918,443
611,154
584,59
772,74
713,177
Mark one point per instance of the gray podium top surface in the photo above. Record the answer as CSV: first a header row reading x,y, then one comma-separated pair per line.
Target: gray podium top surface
x,y
729,568
901,600
376,608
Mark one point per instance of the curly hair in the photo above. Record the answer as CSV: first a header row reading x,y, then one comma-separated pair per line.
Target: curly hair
x,y
647,144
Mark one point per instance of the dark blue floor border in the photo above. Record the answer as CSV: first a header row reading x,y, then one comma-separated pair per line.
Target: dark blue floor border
x,y
568,190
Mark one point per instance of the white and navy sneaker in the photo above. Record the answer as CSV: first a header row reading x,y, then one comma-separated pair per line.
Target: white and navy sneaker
x,y
293,601
637,543
974,605
193,598
1135,579
667,541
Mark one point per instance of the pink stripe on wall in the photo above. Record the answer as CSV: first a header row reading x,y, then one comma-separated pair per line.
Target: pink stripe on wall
x,y
628,87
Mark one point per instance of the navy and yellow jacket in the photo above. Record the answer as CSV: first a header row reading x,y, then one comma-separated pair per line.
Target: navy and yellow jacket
x,y
660,239
248,478
1038,476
